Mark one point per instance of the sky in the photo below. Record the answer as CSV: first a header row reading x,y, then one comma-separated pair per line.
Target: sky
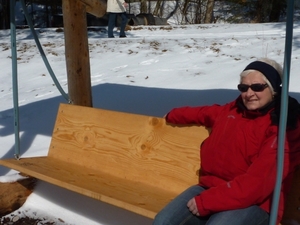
x,y
150,72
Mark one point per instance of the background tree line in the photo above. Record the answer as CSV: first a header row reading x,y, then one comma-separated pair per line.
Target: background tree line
x,y
184,11
51,7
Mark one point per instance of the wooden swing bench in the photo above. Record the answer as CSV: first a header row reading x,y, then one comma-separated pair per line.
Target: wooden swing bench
x,y
131,161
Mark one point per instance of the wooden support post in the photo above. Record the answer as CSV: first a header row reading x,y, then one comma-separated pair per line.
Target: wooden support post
x,y
77,52
95,7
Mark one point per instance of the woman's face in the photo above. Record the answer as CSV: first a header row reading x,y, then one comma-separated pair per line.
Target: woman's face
x,y
255,100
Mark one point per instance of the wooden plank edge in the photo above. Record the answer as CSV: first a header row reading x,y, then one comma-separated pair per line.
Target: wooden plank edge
x,y
95,7
88,193
83,191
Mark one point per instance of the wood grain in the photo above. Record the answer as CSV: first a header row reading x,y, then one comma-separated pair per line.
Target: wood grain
x,y
134,147
95,7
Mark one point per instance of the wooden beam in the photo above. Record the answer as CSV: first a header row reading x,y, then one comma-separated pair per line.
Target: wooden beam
x,y
95,7
77,52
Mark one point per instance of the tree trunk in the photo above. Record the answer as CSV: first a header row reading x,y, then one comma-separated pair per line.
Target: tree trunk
x,y
156,10
259,11
198,14
185,9
1,15
144,8
209,11
277,7
262,11
5,15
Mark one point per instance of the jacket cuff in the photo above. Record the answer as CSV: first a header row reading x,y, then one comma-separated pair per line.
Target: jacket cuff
x,y
202,211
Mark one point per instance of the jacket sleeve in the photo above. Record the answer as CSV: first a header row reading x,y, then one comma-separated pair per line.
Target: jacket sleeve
x,y
251,188
203,115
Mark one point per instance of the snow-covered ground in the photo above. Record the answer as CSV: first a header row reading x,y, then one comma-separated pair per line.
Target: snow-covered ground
x,y
151,71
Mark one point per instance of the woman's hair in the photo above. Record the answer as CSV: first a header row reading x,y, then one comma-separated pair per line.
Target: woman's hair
x,y
272,63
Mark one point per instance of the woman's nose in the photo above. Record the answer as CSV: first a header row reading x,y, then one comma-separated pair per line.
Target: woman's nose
x,y
249,92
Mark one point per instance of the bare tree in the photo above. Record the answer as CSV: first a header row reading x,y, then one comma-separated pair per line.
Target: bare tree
x,y
4,14
144,7
157,10
277,8
198,12
209,11
193,11
269,10
184,10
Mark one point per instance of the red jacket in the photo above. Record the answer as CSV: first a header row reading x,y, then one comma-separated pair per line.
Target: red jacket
x,y
239,158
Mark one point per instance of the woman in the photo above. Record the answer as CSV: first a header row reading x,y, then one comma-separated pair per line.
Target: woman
x,y
239,158
115,8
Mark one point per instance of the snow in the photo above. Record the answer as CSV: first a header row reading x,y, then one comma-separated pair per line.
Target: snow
x,y
151,71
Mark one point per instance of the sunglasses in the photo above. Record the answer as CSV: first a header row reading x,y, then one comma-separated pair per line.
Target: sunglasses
x,y
254,87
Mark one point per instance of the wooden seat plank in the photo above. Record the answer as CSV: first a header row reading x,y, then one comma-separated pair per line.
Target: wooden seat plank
x,y
134,196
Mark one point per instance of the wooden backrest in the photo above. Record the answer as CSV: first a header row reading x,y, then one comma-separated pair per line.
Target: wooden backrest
x,y
138,148
134,147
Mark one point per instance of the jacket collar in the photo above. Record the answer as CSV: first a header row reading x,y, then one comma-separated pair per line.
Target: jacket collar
x,y
251,114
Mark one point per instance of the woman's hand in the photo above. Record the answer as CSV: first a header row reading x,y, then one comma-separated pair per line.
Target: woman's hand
x,y
193,207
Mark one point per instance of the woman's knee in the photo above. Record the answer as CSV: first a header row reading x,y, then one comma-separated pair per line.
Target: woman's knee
x,y
252,215
177,211
161,219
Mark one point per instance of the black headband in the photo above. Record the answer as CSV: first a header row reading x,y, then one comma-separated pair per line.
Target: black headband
x,y
268,71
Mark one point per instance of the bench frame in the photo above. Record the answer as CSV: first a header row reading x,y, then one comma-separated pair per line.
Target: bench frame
x,y
135,162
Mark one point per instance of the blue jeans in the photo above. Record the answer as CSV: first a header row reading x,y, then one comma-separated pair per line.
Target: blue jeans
x,y
112,21
177,213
